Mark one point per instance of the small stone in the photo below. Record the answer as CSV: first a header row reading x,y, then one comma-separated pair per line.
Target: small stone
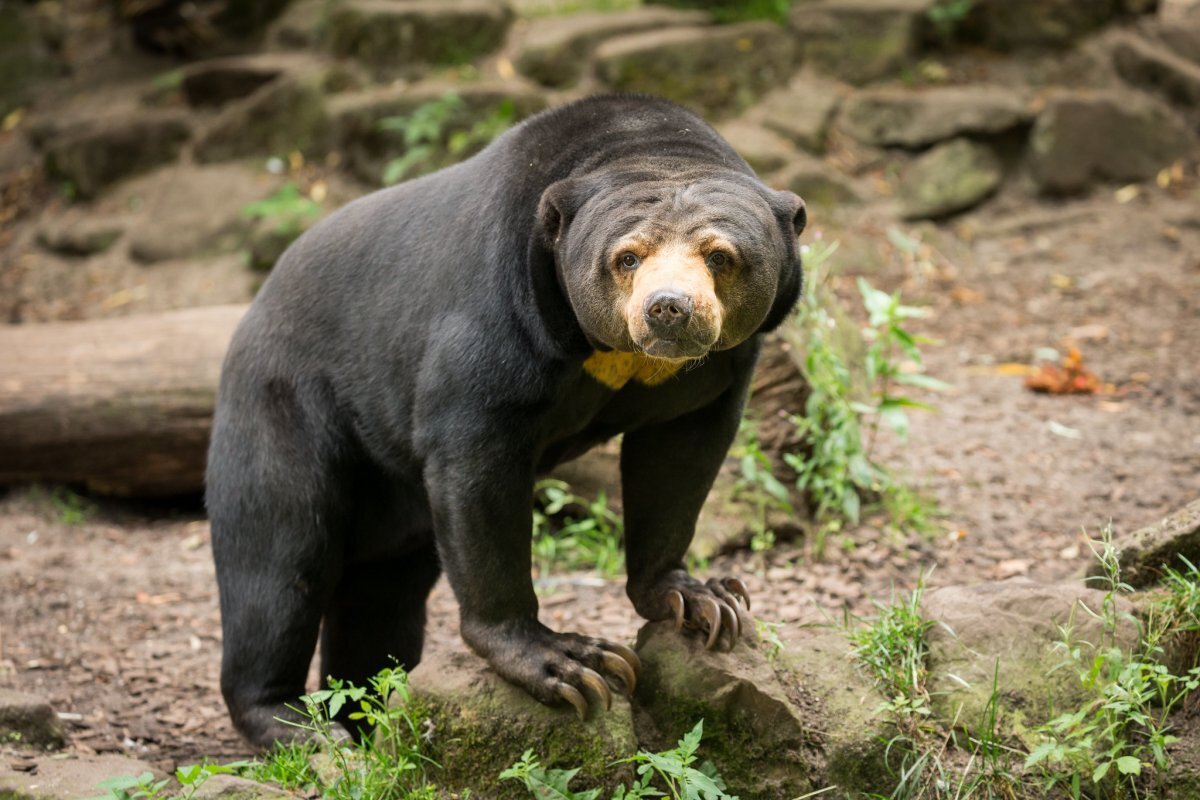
x,y
1112,135
803,112
80,236
815,181
28,721
279,117
859,40
1043,23
716,70
70,778
949,178
391,38
231,787
1147,66
898,117
99,152
554,50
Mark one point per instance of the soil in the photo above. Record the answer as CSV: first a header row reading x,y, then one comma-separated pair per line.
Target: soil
x,y
114,618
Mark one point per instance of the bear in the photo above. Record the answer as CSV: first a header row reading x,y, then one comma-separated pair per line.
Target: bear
x,y
412,363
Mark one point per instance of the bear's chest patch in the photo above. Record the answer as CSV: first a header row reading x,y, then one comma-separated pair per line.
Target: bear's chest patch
x,y
614,369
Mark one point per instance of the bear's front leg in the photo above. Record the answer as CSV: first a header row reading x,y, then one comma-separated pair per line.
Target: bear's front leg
x,y
667,471
481,494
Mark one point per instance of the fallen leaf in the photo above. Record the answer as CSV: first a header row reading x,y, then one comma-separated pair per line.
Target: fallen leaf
x,y
1058,429
965,296
1069,377
1127,193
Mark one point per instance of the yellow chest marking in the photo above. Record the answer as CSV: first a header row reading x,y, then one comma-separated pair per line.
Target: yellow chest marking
x,y
615,369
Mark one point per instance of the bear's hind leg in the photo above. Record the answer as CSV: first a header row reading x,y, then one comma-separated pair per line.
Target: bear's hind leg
x,y
377,617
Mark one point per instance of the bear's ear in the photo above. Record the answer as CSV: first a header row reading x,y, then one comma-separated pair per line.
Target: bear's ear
x,y
790,212
558,206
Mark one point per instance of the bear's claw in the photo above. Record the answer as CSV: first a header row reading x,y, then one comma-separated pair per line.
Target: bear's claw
x,y
713,608
573,696
624,666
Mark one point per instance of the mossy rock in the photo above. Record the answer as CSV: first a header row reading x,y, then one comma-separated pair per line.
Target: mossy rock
x,y
97,153
951,177
718,71
859,41
283,115
478,725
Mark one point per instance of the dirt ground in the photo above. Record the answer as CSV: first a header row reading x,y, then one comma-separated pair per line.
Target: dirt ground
x,y
114,617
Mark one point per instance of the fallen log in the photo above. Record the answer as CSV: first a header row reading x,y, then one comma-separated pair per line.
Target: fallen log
x,y
124,406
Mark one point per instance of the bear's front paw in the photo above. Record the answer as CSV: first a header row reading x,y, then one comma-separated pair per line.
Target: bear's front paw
x,y
712,607
554,667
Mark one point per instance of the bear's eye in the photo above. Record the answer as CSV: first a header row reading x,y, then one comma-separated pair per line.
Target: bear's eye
x,y
717,260
630,261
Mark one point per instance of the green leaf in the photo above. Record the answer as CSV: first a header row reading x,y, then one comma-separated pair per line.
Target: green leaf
x,y
922,381
1129,765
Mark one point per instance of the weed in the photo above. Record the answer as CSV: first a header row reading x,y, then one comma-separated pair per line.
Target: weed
x,y
571,532
429,141
854,377
287,211
947,16
757,486
1115,744
145,787
287,765
768,632
671,769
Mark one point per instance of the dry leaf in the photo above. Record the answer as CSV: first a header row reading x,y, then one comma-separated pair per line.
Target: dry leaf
x,y
1070,377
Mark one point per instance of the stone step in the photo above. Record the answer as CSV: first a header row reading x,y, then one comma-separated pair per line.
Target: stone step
x,y
904,118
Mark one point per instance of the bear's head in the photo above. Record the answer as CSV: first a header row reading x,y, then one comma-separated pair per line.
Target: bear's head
x,y
673,267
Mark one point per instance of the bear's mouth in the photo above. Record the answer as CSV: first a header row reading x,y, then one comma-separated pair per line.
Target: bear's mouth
x,y
674,349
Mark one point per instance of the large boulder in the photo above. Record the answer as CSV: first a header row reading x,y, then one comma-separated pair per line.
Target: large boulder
x,y
951,177
98,152
718,71
215,82
1047,23
1109,135
818,183
24,58
859,40
368,143
1145,553
803,112
763,150
554,50
392,38
50,778
1149,66
280,116
478,724
899,117
28,721
1002,637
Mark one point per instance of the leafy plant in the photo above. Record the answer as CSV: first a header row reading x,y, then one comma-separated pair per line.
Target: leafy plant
x,y
429,140
571,532
287,211
854,377
947,16
145,787
671,769
1116,741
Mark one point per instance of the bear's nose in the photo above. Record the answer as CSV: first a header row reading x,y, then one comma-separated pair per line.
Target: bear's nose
x,y
667,310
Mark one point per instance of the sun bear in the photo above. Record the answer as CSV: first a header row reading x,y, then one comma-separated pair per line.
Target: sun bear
x,y
418,357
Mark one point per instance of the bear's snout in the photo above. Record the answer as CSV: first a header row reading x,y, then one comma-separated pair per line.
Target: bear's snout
x,y
668,312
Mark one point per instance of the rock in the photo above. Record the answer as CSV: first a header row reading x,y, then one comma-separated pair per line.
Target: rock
x,y
101,151
1005,633
368,147
477,724
28,721
391,38
815,181
24,61
217,81
951,177
803,112
1150,67
753,734
1112,135
762,149
83,236
301,26
1145,552
246,18
1182,36
859,40
898,117
191,212
231,787
715,70
839,705
281,116
554,50
1044,23
74,778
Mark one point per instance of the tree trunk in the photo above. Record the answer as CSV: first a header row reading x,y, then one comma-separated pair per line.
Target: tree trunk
x,y
123,406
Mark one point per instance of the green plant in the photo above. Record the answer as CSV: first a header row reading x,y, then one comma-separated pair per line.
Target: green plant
x,y
429,140
672,770
854,375
385,765
571,532
757,486
287,765
145,787
287,211
1116,742
947,16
